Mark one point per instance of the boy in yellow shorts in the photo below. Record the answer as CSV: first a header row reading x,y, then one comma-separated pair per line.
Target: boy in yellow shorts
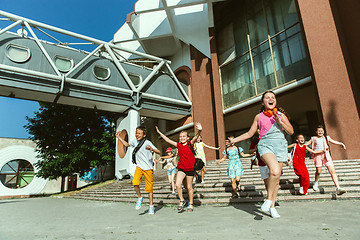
x,y
142,157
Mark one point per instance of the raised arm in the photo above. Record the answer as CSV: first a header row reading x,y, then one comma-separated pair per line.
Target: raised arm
x,y
198,129
215,148
168,140
316,152
291,145
246,154
126,144
221,160
249,133
336,142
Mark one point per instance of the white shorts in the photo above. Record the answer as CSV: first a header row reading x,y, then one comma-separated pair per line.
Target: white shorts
x,y
264,172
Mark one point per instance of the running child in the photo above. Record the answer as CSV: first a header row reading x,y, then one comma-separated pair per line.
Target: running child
x,y
272,145
142,157
298,159
199,150
170,167
235,169
185,165
321,142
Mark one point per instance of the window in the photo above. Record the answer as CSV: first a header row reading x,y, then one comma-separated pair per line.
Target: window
x,y
269,49
64,64
17,53
17,174
135,78
101,72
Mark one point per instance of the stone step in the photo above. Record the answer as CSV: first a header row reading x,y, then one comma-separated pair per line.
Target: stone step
x,y
217,187
324,180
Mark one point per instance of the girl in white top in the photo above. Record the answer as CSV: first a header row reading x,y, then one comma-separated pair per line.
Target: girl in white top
x,y
320,142
170,167
199,150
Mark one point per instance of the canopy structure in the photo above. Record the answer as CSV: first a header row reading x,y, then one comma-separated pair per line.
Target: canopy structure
x,y
52,71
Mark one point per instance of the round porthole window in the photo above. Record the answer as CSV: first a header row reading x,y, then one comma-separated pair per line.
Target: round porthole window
x,y
17,53
100,72
17,173
64,64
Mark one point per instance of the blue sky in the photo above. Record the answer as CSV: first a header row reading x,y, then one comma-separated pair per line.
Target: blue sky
x,y
97,19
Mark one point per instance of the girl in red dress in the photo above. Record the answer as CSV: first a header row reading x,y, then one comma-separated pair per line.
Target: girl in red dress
x,y
298,159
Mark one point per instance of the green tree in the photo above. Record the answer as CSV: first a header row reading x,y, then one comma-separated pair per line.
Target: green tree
x,y
70,139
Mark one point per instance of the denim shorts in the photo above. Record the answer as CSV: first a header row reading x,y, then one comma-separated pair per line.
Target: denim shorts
x,y
171,171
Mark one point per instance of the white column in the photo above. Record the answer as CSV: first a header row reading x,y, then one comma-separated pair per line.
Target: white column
x,y
123,161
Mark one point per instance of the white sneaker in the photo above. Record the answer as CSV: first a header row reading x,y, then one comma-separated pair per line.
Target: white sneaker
x,y
340,191
316,186
202,181
138,203
301,190
274,213
266,205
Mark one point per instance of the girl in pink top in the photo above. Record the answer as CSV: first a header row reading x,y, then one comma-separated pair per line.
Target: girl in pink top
x,y
321,142
272,146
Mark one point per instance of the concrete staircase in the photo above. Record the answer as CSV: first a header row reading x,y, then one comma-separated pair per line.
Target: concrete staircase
x,y
217,188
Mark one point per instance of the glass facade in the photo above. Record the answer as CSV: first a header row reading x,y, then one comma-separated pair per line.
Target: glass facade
x,y
260,47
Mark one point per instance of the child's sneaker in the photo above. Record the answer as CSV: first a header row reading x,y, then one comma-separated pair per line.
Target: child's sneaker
x,y
266,205
274,213
151,210
138,203
277,205
340,191
316,186
301,190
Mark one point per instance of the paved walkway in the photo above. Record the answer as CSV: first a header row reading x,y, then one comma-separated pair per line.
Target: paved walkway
x,y
60,218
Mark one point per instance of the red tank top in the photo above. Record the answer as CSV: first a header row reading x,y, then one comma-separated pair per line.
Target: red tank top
x,y
186,157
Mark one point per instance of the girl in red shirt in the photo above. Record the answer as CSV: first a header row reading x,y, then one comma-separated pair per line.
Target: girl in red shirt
x,y
298,159
185,165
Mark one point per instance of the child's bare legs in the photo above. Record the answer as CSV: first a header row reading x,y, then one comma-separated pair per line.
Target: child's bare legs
x,y
179,180
151,196
274,176
334,177
317,174
137,190
171,181
233,185
203,171
190,189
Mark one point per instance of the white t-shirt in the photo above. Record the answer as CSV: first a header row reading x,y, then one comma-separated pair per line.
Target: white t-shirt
x,y
144,158
320,143
169,163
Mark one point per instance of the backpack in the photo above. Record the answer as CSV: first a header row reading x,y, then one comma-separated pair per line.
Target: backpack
x,y
199,164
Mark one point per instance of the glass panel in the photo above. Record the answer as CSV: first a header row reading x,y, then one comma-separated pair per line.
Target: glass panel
x,y
225,44
256,22
237,81
64,64
135,78
101,72
263,66
17,174
17,53
280,14
290,56
240,36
